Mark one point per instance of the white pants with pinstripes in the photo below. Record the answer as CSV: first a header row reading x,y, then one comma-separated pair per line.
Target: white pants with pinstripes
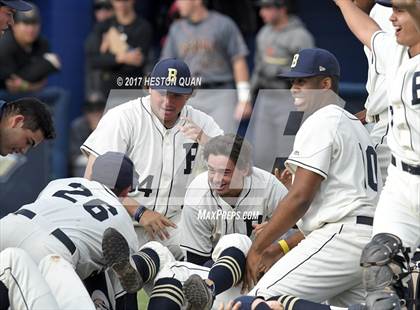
x,y
44,287
322,267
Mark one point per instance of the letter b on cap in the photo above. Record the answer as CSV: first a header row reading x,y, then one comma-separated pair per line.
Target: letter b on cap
x,y
172,74
295,60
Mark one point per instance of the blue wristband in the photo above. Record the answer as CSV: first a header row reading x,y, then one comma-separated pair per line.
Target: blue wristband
x,y
139,213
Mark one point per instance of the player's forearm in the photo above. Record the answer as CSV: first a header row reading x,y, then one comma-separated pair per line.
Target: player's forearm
x,y
362,26
130,205
289,211
240,70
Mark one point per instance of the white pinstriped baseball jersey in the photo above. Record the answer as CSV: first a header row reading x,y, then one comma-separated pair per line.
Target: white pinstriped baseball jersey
x,y
164,158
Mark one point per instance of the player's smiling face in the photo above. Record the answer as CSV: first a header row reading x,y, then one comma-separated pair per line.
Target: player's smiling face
x,y
224,179
167,106
305,92
405,29
15,138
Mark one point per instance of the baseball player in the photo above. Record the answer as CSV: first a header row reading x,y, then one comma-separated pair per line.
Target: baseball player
x,y
24,285
24,123
231,197
376,105
162,135
163,277
397,218
332,199
7,8
214,49
69,217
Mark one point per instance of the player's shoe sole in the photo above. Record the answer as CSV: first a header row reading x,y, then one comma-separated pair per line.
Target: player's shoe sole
x,y
197,293
117,256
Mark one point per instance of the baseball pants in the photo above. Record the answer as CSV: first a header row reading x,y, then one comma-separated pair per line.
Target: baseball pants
x,y
322,267
398,210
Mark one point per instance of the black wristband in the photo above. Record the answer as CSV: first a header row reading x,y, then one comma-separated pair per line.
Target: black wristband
x,y
139,213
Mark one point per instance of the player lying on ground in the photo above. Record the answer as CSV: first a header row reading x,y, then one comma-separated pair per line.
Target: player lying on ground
x,y
69,218
24,285
163,277
397,218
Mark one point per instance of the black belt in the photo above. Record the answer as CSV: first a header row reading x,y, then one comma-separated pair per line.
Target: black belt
x,y
406,167
366,220
58,233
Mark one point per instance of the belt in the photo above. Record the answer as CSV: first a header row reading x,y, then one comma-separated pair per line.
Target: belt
x,y
58,233
365,220
415,170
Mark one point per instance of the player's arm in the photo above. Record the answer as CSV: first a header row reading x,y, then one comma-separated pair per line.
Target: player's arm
x,y
89,165
288,212
362,26
241,76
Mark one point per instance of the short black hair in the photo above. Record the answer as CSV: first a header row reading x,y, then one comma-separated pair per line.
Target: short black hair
x,y
233,146
36,113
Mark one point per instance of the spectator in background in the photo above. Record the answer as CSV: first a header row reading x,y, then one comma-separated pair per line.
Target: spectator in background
x,y
281,37
7,8
214,49
103,11
80,130
119,46
26,62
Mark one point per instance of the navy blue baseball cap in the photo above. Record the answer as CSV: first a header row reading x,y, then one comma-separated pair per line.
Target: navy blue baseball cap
x,y
387,3
172,75
115,170
312,62
18,5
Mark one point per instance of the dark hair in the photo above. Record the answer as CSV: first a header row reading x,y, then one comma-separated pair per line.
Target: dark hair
x,y
37,116
233,146
334,81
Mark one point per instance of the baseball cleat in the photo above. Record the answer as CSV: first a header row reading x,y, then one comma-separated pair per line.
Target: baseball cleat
x,y
117,256
197,293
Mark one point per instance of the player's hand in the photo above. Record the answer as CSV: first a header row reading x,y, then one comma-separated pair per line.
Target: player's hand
x,y
243,110
361,115
258,228
192,131
155,224
230,306
253,260
270,256
284,177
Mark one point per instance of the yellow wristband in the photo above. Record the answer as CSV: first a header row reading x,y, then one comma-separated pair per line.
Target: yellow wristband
x,y
284,246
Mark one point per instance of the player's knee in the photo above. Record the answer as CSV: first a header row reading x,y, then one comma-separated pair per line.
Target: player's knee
x,y
239,241
165,256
